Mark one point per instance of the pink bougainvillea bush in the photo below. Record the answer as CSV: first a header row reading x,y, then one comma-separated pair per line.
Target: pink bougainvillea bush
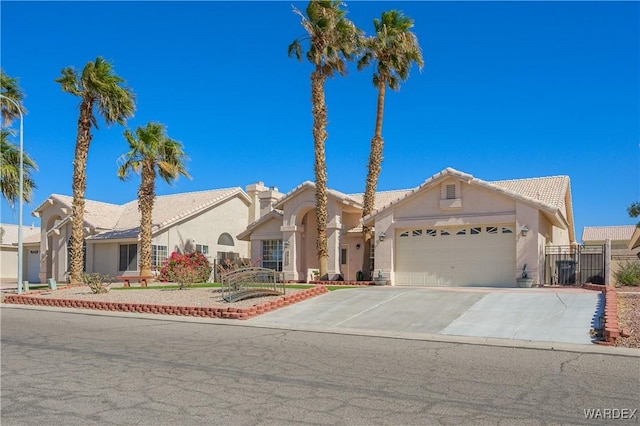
x,y
186,269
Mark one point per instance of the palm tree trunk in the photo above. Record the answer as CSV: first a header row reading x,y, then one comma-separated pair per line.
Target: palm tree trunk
x,y
76,263
146,198
319,113
375,163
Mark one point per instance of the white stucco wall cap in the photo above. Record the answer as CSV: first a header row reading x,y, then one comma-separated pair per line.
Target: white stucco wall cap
x,y
246,234
546,193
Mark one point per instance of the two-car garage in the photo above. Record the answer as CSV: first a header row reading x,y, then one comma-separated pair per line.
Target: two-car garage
x,y
478,255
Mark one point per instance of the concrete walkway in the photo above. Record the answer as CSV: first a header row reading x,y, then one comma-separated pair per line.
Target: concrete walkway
x,y
562,315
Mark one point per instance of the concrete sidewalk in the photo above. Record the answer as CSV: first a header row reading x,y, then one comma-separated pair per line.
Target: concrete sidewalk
x,y
562,315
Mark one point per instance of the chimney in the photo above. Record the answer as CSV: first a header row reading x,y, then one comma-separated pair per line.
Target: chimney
x,y
268,198
252,191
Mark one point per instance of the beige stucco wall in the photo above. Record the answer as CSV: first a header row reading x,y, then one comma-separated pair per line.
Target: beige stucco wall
x,y
230,217
104,257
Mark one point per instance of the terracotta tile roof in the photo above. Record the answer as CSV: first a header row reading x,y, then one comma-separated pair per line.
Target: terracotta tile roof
x,y
246,234
308,184
123,221
545,192
10,234
602,233
167,209
549,190
96,214
382,197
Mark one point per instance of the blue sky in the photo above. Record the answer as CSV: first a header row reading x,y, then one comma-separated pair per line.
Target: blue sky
x,y
509,90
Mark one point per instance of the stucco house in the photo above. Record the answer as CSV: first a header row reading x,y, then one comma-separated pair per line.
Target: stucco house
x,y
9,253
453,229
206,221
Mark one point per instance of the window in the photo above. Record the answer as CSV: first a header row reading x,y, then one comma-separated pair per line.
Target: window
x,y
203,249
475,231
343,256
272,254
432,232
225,240
492,229
417,232
462,232
507,230
128,257
444,232
451,192
158,255
405,234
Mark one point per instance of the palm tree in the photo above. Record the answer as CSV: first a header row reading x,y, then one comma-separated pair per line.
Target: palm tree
x,y
10,171
392,50
97,86
333,39
151,152
11,90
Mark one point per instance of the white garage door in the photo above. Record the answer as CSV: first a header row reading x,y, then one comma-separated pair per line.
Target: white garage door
x,y
462,256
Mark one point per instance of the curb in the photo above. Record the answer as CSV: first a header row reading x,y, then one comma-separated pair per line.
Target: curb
x,y
207,312
611,326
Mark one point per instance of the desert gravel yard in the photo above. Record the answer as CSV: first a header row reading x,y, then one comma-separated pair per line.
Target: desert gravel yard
x,y
197,297
629,316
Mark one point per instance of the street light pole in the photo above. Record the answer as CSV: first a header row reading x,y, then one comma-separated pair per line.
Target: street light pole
x,y
21,192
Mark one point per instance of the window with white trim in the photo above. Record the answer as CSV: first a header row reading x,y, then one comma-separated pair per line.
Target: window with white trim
x,y
202,249
158,255
272,254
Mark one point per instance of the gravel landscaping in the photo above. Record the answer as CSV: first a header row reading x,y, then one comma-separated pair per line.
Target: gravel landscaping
x,y
629,316
197,297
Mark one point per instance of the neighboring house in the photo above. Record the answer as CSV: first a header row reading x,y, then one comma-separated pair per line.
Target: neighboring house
x,y
204,221
9,253
453,229
620,238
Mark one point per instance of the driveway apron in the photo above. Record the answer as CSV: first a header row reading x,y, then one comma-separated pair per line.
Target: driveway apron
x,y
548,315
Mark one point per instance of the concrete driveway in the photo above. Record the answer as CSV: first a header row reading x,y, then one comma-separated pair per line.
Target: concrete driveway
x,y
562,315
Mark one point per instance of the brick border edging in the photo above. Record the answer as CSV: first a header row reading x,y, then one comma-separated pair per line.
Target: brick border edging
x,y
611,326
144,308
349,283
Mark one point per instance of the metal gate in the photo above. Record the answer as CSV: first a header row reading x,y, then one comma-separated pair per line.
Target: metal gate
x,y
574,265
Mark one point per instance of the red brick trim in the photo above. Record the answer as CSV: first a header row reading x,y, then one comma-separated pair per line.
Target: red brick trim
x,y
342,282
210,312
611,327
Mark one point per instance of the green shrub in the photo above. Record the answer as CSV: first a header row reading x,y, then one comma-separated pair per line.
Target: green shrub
x,y
98,283
186,269
628,274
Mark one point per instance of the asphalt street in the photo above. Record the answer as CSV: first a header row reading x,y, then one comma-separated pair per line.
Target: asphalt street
x,y
84,368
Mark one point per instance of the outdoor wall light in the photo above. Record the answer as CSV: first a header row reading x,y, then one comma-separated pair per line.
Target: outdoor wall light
x,y
286,244
381,237
358,246
524,230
